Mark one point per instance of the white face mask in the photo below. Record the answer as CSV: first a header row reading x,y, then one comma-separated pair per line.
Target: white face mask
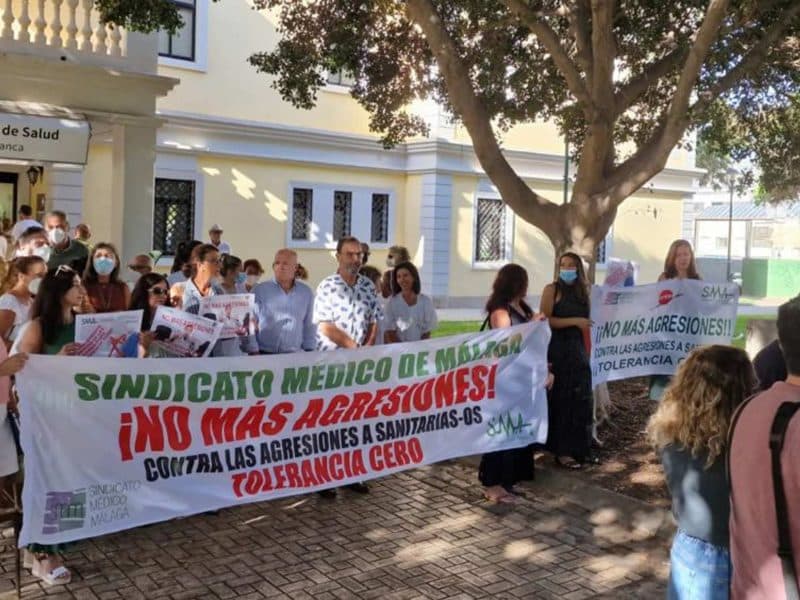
x,y
57,236
253,279
43,252
390,262
33,285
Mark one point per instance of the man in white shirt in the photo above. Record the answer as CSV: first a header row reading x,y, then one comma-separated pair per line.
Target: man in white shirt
x,y
346,311
215,234
24,221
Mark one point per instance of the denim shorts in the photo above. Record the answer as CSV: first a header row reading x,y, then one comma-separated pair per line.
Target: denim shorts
x,y
698,570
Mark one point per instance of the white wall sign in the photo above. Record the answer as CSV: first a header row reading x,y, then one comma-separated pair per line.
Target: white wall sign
x,y
46,139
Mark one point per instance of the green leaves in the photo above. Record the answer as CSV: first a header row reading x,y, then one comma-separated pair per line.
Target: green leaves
x,y
140,15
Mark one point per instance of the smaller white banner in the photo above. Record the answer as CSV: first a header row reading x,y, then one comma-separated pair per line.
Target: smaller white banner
x,y
109,334
234,311
180,334
48,139
649,329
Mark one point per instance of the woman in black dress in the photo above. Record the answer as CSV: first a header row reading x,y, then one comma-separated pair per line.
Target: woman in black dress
x,y
499,471
565,302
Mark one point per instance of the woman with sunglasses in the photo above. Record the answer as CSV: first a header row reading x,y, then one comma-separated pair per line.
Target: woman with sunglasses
x,y
52,331
150,292
107,293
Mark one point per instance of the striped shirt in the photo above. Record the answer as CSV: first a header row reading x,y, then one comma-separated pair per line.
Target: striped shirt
x,y
285,321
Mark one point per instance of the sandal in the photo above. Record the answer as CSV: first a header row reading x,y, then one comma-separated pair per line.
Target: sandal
x,y
500,496
58,575
569,463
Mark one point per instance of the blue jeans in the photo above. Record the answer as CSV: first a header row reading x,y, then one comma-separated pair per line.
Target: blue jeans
x,y
698,570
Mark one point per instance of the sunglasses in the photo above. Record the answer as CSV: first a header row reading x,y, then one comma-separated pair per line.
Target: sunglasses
x,y
158,291
65,270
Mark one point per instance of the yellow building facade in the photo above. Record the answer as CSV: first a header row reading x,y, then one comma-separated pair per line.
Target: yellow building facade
x,y
227,150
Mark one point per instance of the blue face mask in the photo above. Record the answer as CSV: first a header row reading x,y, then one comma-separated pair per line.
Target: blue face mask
x,y
568,276
241,278
104,265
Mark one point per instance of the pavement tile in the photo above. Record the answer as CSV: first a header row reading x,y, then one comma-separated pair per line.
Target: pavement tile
x,y
424,534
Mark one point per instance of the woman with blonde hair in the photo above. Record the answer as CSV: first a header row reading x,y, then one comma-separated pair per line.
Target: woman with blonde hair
x,y
689,430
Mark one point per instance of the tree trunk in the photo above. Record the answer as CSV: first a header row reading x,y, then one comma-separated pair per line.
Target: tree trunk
x,y
581,227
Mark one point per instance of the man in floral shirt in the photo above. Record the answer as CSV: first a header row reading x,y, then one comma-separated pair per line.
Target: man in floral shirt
x,y
346,307
346,311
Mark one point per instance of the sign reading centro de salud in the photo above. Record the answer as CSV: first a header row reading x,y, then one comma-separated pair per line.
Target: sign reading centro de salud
x,y
47,139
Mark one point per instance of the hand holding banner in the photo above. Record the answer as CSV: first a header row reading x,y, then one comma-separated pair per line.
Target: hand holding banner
x,y
649,329
176,437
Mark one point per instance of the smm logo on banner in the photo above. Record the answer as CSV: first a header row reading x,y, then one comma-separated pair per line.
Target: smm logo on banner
x,y
717,293
64,511
616,298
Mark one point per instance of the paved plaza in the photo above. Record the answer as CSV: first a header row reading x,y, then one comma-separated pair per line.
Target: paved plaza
x,y
425,533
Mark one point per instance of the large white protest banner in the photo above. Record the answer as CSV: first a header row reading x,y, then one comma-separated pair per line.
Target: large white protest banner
x,y
113,334
140,441
649,329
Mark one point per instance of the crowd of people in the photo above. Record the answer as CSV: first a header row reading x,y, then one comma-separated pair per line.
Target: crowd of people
x,y
55,275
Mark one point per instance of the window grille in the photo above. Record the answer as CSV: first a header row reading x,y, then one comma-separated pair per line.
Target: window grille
x,y
302,207
490,236
342,209
601,253
173,214
380,218
341,77
181,44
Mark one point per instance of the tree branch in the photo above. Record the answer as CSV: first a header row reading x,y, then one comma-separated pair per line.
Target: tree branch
x,y
549,39
525,202
597,155
694,61
752,60
604,51
628,94
578,17
652,156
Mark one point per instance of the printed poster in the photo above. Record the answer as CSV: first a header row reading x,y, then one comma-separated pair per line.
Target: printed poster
x,y
114,334
180,334
236,312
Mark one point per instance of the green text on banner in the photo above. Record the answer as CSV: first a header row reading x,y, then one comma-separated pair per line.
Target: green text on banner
x,y
111,444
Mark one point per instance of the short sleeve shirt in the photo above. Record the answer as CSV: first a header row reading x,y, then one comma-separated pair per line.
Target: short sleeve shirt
x,y
410,322
350,308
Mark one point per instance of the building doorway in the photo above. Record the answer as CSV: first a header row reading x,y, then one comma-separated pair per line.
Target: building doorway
x,y
8,199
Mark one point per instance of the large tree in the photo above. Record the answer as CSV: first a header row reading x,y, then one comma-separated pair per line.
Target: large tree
x,y
626,81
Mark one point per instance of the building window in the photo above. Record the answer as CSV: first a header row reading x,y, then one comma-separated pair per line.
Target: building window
x,y
173,216
380,218
321,214
342,78
302,213
181,44
490,234
342,211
